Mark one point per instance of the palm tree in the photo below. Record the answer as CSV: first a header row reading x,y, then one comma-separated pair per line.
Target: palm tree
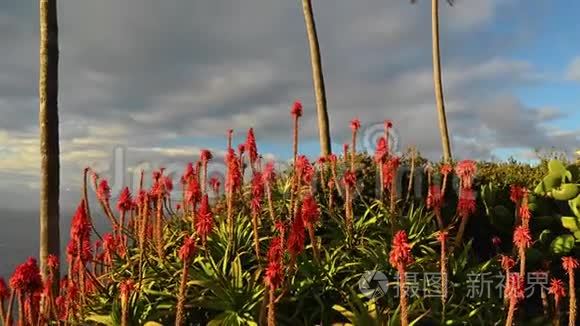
x,y
48,120
317,78
437,83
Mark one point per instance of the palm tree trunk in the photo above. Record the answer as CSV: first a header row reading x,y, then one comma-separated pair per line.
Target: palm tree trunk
x,y
317,79
49,147
437,83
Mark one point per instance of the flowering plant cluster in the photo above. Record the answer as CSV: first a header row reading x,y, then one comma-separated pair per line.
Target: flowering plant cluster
x,y
288,247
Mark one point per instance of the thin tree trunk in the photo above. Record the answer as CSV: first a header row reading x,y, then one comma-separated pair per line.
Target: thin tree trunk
x,y
437,83
49,147
317,79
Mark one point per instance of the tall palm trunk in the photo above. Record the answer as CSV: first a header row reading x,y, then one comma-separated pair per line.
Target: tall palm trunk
x,y
317,79
437,83
49,147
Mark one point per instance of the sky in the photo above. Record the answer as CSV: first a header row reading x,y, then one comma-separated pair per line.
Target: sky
x,y
155,81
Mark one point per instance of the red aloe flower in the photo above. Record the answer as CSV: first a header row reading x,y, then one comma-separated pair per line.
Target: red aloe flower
x,y
434,197
390,171
81,226
168,184
507,262
193,192
204,221
234,178
332,158
280,227
276,249
297,236
26,277
355,125
205,156
157,174
126,287
109,248
241,149
349,179
296,110
274,275
442,236
125,202
381,150
400,255
310,211
388,124
305,169
466,170
86,251
252,147
257,192
466,204
80,235
516,193
570,264
188,172
52,262
446,169
187,249
522,237
557,289
104,191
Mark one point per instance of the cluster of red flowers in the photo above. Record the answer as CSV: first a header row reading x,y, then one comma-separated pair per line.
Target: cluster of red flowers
x,y
79,245
26,278
400,256
234,175
187,249
257,192
252,148
434,199
310,211
522,237
296,237
204,220
390,171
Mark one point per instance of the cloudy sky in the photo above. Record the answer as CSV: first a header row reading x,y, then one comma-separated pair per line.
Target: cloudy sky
x,y
161,79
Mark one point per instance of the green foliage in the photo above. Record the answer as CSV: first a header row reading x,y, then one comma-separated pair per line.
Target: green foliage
x,y
225,281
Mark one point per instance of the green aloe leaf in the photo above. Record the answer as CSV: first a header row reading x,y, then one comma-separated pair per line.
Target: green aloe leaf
x,y
571,223
566,192
562,245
